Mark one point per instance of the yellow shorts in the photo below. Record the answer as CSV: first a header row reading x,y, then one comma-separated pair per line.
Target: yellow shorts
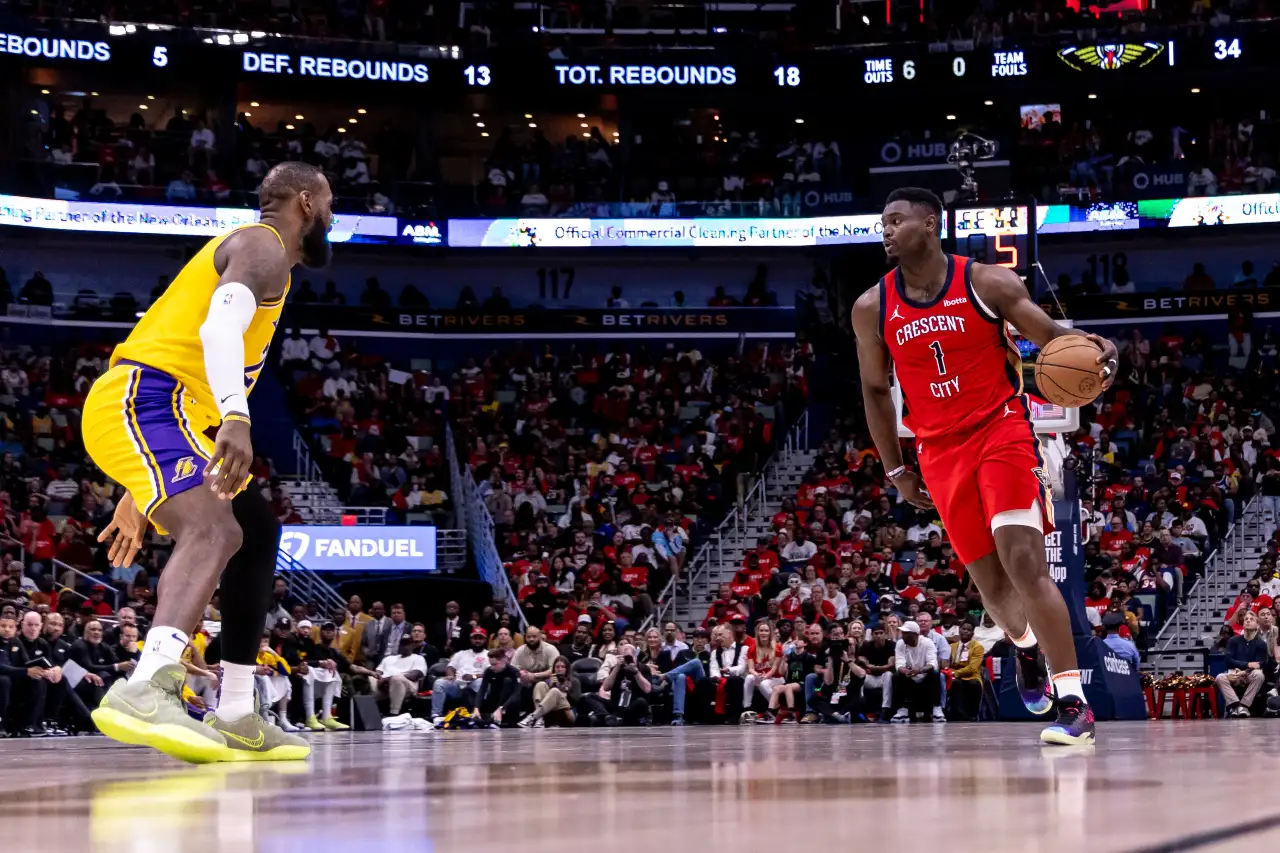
x,y
145,430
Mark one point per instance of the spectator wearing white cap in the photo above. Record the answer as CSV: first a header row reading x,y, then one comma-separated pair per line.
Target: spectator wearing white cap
x,y
462,674
940,644
915,684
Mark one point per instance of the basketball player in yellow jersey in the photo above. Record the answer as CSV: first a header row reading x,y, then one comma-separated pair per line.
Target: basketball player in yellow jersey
x,y
187,367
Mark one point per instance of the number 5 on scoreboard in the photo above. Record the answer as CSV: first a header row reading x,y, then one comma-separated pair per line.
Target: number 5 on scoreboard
x,y
939,357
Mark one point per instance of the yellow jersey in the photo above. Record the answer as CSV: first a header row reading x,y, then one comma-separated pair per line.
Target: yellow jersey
x,y
167,338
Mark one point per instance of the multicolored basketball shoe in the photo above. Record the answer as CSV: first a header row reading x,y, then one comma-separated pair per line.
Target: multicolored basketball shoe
x,y
1074,725
1033,681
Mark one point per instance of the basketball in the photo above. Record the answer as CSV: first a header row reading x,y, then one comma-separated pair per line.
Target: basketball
x,y
1067,371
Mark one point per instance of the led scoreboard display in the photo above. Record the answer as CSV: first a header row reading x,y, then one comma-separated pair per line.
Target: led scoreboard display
x,y
992,235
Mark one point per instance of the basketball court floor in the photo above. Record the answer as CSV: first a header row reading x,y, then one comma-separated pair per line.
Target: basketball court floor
x,y
1156,786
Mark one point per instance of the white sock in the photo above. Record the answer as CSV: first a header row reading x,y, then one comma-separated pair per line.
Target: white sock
x,y
236,697
1068,684
1027,640
164,645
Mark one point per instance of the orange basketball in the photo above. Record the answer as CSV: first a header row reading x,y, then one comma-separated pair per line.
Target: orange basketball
x,y
1067,371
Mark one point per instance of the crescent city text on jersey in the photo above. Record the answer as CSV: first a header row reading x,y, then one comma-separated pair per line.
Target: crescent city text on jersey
x,y
931,324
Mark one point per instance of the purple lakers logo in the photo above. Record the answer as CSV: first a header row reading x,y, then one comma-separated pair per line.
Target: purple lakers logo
x,y
183,468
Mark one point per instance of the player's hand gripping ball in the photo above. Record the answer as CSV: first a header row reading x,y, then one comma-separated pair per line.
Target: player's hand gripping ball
x,y
1073,370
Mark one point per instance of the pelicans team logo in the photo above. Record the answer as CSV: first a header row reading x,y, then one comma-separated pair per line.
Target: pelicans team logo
x,y
183,468
1110,57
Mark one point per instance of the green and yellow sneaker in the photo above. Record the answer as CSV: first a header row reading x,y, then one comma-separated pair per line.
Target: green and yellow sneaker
x,y
252,738
313,724
151,713
333,725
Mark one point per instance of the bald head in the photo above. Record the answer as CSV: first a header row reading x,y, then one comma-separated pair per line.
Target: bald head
x,y
287,180
297,196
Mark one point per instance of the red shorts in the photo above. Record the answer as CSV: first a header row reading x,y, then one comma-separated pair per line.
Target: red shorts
x,y
976,474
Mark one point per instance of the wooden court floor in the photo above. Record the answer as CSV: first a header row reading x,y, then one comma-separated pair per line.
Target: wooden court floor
x,y
1160,786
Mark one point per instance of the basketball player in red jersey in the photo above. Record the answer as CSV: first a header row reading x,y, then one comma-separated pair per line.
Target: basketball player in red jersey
x,y
939,319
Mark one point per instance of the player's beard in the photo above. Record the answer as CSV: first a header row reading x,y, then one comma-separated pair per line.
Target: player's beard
x,y
317,251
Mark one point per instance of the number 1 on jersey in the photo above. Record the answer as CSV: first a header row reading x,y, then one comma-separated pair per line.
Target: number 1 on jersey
x,y
941,359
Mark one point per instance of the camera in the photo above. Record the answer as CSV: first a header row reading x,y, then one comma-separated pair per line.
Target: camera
x,y
629,660
968,148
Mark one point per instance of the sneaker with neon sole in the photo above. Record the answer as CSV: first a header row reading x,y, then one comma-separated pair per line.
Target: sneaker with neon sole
x,y
251,738
1033,681
333,725
151,713
1074,725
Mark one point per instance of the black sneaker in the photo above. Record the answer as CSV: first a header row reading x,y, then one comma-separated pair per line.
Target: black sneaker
x,y
1074,725
1033,681
677,720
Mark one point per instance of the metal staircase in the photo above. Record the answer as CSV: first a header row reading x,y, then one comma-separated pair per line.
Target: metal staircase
x,y
1193,627
721,554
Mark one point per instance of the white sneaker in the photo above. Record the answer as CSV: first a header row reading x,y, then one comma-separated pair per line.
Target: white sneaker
x,y
529,722
939,716
286,725
541,724
903,716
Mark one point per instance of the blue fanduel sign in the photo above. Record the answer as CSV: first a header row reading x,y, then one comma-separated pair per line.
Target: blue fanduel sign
x,y
335,548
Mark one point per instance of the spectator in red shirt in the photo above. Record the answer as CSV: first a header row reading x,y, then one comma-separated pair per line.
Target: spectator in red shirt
x,y
558,627
1113,540
97,599
626,478
792,600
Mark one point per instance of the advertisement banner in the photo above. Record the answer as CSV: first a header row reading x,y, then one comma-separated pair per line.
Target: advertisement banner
x,y
658,233
167,220
1158,181
1142,306
1064,553
1219,210
360,548
542,323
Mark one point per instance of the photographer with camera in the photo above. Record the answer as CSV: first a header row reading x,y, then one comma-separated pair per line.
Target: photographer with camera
x,y
839,699
623,688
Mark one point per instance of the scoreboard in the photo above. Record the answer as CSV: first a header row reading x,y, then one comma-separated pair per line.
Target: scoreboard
x,y
936,70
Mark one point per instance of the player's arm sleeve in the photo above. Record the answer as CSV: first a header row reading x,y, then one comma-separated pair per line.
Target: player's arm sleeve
x,y
873,368
231,310
251,264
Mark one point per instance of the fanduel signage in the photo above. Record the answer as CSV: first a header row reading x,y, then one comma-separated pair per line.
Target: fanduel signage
x,y
335,548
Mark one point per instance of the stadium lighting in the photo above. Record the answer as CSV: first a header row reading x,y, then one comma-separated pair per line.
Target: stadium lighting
x,y
288,127
352,121
479,124
247,114
988,103
584,124
528,115
299,117
362,111
151,97
533,124
254,104
799,121
1195,91
342,130
951,118
142,106
1092,96
582,115
485,134
44,91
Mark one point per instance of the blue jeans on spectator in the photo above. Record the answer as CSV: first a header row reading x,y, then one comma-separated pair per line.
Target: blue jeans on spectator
x,y
811,682
679,686
443,690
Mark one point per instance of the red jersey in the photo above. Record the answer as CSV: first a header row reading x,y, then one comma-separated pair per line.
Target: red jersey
x,y
955,361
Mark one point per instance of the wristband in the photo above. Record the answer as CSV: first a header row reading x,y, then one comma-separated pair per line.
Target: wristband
x,y
236,416
896,472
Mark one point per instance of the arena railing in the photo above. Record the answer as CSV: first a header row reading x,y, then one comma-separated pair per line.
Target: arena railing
x,y
307,584
479,527
752,505
1227,557
8,542
61,567
306,467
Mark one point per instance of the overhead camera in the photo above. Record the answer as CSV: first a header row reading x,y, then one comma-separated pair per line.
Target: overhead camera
x,y
965,151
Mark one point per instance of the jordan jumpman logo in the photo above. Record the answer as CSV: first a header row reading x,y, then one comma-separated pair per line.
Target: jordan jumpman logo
x,y
1007,410
895,315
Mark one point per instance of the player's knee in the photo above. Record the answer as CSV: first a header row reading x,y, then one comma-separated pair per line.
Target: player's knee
x,y
219,537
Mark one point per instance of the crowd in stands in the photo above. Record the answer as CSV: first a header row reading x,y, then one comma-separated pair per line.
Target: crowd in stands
x,y
187,158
